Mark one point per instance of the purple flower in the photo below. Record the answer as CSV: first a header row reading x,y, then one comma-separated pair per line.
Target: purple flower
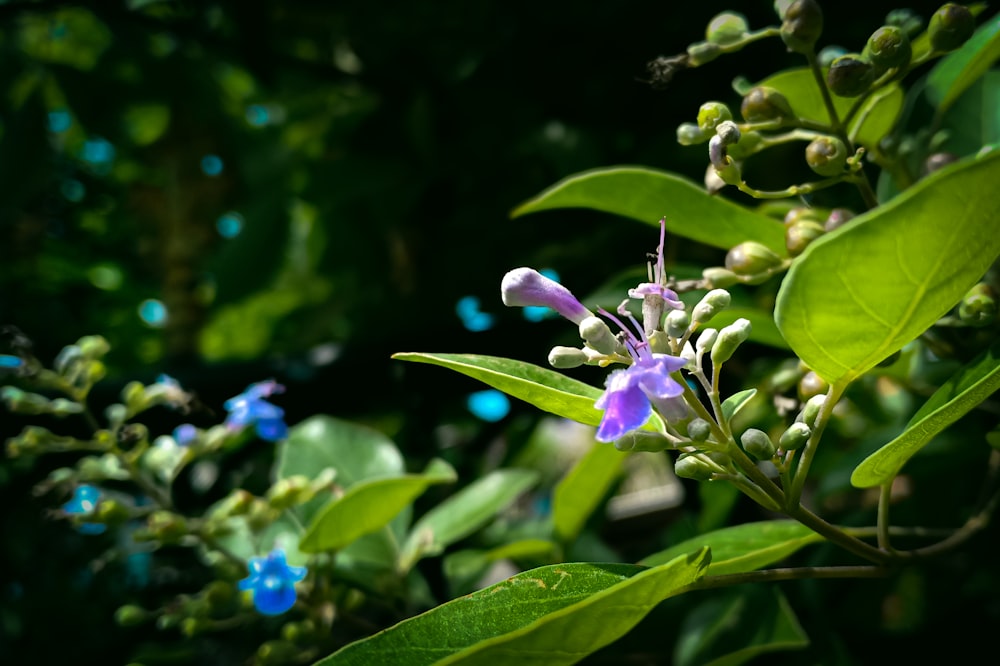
x,y
250,408
526,287
84,501
185,434
631,393
272,582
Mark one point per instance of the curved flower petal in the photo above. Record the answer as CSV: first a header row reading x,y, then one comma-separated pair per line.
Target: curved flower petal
x,y
669,296
526,286
653,376
625,406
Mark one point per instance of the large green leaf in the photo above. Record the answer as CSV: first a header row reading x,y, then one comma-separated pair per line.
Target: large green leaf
x,y
368,506
548,616
464,512
961,68
744,547
647,195
860,293
875,119
582,489
973,120
465,568
736,625
969,387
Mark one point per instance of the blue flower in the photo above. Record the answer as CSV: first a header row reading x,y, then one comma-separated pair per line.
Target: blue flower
x,y
83,503
185,434
272,582
250,408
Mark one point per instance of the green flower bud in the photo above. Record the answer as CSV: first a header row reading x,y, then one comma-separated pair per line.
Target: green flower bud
x,y
826,155
757,443
711,114
710,305
643,440
729,339
598,335
799,235
950,27
695,466
22,402
763,103
659,343
837,218
746,146
811,385
93,346
166,526
751,258
707,340
564,358
811,410
677,323
192,626
67,359
702,53
289,491
849,76
719,278
299,632
133,395
237,503
979,307
110,512
802,24
689,134
116,414
130,615
219,595
801,214
277,652
726,28
906,19
889,46
795,437
699,430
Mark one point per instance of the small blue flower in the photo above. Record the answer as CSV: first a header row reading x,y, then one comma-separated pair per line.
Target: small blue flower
x,y
250,408
83,503
272,582
185,434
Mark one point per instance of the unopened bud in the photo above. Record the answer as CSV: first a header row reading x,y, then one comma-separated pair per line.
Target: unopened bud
x,y
689,134
799,235
699,430
707,340
277,652
110,512
950,27
68,357
565,358
795,437
93,346
978,307
711,114
726,28
702,53
289,491
837,218
757,443
710,305
751,258
166,527
850,76
729,339
811,410
826,155
889,46
598,335
802,25
695,466
763,103
130,615
677,323
643,440
719,278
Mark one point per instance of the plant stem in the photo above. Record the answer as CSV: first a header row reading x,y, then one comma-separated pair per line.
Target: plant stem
x,y
794,495
838,535
831,110
787,573
884,496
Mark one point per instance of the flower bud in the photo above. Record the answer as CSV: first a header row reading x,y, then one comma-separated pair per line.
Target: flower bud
x,y
696,466
746,146
565,358
219,594
677,323
689,355
837,218
889,46
277,652
68,357
643,440
93,347
699,430
659,342
111,512
707,340
795,437
711,114
826,155
950,27
719,278
598,335
763,103
811,410
757,443
702,53
289,491
811,385
23,402
689,134
729,339
751,258
710,305
713,183
802,24
978,307
849,76
130,615
799,235
166,526
236,503
726,28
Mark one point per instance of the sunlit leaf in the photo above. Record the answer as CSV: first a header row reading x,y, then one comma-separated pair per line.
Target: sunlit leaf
x,y
860,293
969,387
647,195
582,489
552,615
744,547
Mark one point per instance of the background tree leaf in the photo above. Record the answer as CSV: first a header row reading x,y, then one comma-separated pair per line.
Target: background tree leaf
x,y
958,70
969,387
583,488
647,195
552,615
860,293
744,547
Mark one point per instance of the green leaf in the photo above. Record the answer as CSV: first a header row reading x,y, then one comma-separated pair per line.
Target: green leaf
x,y
744,547
969,387
973,121
737,625
368,506
961,68
582,489
860,293
548,616
875,119
465,568
465,512
733,403
647,195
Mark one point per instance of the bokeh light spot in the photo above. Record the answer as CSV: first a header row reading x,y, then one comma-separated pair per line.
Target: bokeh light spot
x,y
97,152
229,225
258,115
106,276
59,121
153,312
489,405
73,190
211,165
467,309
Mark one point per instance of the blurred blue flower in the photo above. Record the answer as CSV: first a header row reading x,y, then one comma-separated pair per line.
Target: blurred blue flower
x,y
83,503
272,582
185,433
250,408
11,362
